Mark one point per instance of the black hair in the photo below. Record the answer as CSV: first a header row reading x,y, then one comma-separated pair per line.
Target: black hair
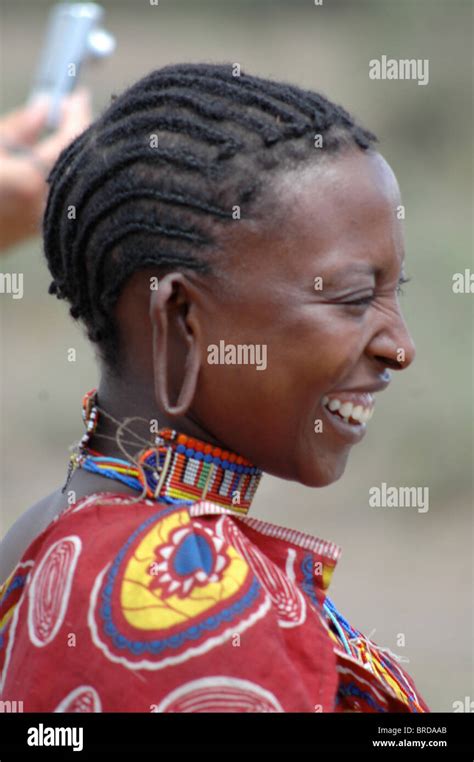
x,y
147,183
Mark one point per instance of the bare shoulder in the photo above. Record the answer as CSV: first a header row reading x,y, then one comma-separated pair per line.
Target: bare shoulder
x,y
30,524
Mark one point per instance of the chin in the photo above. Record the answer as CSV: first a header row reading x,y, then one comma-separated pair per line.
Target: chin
x,y
323,473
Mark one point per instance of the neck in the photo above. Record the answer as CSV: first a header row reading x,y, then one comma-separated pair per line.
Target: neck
x,y
170,461
127,397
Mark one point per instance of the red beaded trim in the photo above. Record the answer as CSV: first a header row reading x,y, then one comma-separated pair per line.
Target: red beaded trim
x,y
204,447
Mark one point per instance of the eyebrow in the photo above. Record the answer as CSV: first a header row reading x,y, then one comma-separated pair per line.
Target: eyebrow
x,y
363,269
366,269
357,268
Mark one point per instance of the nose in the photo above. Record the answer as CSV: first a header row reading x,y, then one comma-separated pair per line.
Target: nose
x,y
393,346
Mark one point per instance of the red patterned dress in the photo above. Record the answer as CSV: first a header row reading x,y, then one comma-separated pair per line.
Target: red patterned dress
x,y
165,606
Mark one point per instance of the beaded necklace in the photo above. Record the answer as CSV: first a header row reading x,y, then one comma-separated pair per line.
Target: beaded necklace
x,y
182,469
177,466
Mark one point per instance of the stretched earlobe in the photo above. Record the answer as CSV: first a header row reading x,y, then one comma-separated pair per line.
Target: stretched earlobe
x,y
191,372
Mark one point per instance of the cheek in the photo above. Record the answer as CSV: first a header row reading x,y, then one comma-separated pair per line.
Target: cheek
x,y
317,352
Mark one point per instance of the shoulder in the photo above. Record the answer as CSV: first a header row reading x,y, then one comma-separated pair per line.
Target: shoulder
x,y
22,533
34,520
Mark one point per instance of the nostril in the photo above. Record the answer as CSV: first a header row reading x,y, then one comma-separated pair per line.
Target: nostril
x,y
391,363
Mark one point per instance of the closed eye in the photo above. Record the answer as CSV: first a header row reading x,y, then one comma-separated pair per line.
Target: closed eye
x,y
366,300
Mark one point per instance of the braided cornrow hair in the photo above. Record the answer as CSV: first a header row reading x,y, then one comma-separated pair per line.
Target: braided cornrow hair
x,y
120,201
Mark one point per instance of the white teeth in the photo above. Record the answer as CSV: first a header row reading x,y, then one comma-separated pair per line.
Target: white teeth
x,y
357,412
346,409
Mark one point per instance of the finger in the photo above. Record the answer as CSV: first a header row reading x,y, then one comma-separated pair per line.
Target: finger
x,y
76,116
24,124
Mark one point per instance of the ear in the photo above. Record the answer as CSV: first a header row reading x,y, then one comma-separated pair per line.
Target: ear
x,y
176,342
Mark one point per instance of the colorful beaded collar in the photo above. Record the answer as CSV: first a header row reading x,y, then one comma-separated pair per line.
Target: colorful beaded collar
x,y
177,467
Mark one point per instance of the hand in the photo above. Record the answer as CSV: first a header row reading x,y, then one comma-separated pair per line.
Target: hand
x,y
26,161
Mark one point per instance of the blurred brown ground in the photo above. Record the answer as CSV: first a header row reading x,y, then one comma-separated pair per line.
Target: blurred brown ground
x,y
400,571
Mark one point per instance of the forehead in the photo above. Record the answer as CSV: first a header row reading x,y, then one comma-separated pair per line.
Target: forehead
x,y
347,203
335,214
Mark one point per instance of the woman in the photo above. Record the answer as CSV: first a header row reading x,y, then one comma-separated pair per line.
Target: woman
x,y
232,246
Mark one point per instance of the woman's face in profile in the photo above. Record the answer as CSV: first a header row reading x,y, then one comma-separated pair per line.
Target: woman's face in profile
x,y
319,291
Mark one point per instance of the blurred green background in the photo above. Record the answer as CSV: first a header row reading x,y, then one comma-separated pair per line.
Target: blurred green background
x,y
401,571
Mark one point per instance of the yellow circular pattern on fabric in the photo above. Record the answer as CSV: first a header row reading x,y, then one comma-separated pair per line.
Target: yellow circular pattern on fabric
x,y
147,609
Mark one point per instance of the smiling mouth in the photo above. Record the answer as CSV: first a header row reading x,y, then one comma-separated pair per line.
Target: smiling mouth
x,y
355,409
